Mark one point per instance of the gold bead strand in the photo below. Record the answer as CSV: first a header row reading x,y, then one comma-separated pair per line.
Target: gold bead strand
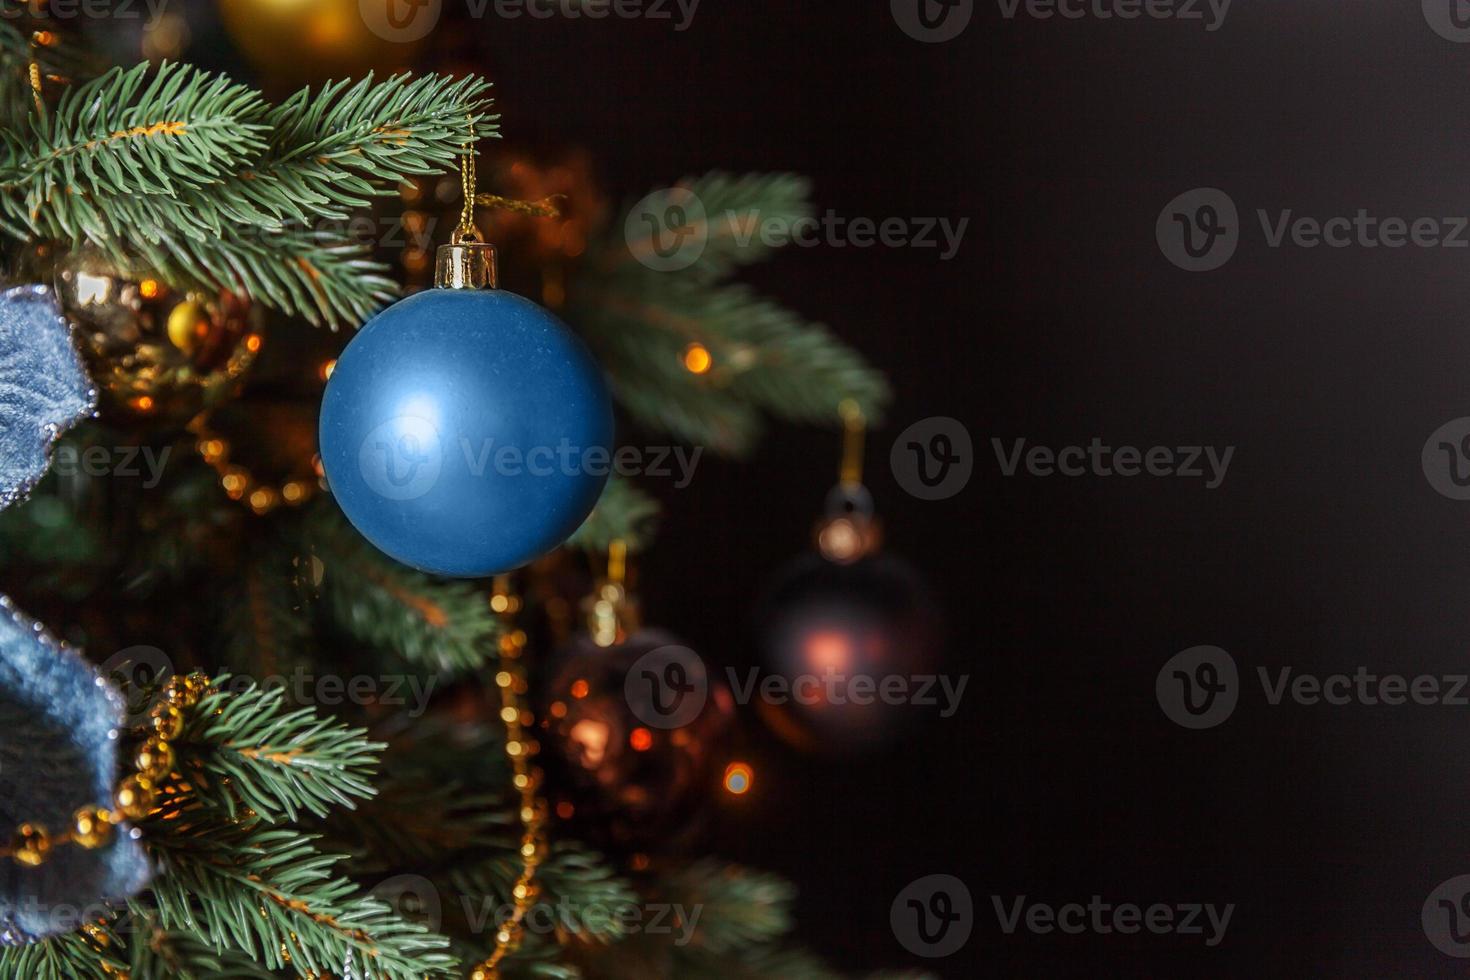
x,y
519,748
32,844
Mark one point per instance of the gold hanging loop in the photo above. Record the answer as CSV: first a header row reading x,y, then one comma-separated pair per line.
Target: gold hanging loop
x,y
854,432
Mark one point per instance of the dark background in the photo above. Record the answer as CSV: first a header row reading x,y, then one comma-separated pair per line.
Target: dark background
x,y
1059,320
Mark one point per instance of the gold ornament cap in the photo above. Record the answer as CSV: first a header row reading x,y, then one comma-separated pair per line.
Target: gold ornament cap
x,y
466,263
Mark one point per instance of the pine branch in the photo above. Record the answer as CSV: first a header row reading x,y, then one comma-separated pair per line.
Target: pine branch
x,y
158,954
270,894
581,893
624,513
126,133
741,908
735,209
337,148
766,359
443,625
58,60
242,746
418,825
199,181
69,956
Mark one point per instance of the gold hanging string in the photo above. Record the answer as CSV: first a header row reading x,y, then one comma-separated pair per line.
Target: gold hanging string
x,y
617,561
466,227
547,207
854,426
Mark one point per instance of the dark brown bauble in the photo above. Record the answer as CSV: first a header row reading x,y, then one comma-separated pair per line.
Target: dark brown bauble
x,y
159,355
831,637
621,780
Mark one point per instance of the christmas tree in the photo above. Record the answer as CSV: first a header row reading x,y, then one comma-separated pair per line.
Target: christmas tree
x,y
197,240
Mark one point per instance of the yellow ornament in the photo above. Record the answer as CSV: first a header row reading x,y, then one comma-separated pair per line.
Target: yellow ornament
x,y
299,42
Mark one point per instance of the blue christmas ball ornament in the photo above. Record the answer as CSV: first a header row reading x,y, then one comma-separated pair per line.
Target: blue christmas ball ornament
x,y
466,431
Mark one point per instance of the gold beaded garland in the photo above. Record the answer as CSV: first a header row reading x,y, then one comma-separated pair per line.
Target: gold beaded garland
x,y
155,759
166,721
31,845
92,826
510,679
135,797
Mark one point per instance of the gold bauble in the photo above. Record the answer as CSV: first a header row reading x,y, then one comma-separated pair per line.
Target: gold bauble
x,y
299,42
135,797
92,827
31,845
155,759
159,355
